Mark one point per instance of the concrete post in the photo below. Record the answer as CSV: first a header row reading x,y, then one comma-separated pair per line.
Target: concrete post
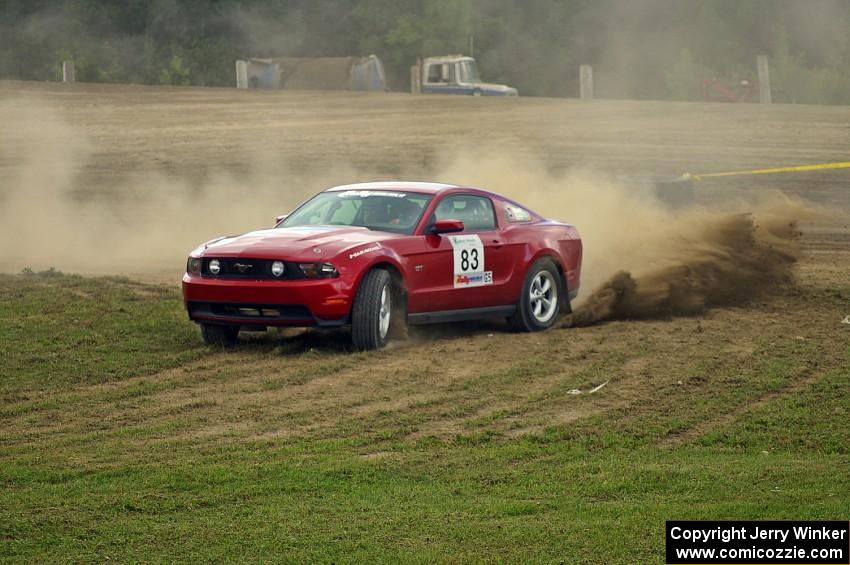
x,y
586,82
68,71
241,74
416,77
764,80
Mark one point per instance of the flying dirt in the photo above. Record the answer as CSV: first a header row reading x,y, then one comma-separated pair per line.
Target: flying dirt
x,y
734,260
646,260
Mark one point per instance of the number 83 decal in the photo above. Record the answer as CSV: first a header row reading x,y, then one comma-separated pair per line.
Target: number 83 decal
x,y
469,259
469,262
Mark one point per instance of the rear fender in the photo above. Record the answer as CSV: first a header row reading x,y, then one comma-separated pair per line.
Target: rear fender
x,y
556,258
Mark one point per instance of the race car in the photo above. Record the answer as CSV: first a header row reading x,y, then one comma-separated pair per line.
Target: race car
x,y
377,256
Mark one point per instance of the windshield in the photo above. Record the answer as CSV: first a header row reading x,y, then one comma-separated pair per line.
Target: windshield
x,y
392,211
468,72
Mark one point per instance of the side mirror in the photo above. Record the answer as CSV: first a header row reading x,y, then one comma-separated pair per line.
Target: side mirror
x,y
446,226
280,218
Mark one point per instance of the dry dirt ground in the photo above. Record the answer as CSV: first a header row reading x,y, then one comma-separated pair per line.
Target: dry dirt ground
x,y
191,131
464,378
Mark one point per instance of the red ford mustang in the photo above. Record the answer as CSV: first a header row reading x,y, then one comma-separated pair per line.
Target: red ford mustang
x,y
377,256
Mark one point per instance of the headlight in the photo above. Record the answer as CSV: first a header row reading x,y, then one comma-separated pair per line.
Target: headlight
x,y
278,268
215,266
319,270
193,266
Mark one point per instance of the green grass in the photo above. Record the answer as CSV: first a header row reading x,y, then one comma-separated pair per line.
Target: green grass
x,y
305,502
83,479
58,330
818,418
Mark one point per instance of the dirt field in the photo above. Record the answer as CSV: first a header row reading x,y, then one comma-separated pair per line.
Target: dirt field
x,y
247,156
194,132
186,136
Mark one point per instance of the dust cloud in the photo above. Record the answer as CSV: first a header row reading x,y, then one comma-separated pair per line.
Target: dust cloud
x,y
50,217
641,257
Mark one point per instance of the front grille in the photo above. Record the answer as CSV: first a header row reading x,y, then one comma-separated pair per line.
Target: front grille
x,y
247,312
252,311
254,269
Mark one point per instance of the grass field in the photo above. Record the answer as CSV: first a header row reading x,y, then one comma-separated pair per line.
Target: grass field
x,y
125,440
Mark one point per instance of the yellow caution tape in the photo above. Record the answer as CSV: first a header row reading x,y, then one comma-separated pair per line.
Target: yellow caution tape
x,y
800,168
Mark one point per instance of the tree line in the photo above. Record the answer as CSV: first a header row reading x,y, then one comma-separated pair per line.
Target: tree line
x,y
641,49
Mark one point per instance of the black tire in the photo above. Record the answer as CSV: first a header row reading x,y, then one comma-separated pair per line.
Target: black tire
x,y
374,303
219,336
527,317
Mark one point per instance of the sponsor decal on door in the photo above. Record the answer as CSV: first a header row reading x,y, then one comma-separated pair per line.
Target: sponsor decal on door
x,y
469,262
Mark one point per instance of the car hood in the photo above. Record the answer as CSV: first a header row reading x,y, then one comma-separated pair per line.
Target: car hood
x,y
297,242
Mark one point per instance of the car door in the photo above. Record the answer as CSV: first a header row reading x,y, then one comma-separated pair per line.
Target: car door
x,y
467,269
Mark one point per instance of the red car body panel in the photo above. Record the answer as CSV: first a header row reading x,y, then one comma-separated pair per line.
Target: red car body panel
x,y
424,263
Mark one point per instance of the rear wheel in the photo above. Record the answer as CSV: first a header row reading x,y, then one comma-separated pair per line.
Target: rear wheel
x,y
218,335
373,310
540,300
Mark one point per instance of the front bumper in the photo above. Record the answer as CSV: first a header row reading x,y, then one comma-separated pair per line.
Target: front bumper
x,y
308,302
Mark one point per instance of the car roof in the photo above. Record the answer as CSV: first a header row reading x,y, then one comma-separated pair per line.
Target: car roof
x,y
448,59
405,186
427,188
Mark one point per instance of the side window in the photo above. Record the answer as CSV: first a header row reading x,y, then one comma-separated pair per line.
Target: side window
x,y
517,214
476,212
435,73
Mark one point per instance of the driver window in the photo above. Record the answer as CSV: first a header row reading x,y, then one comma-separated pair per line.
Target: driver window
x,y
452,74
476,212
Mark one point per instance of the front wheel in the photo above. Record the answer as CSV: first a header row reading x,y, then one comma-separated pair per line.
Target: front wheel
x,y
219,336
372,311
540,299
